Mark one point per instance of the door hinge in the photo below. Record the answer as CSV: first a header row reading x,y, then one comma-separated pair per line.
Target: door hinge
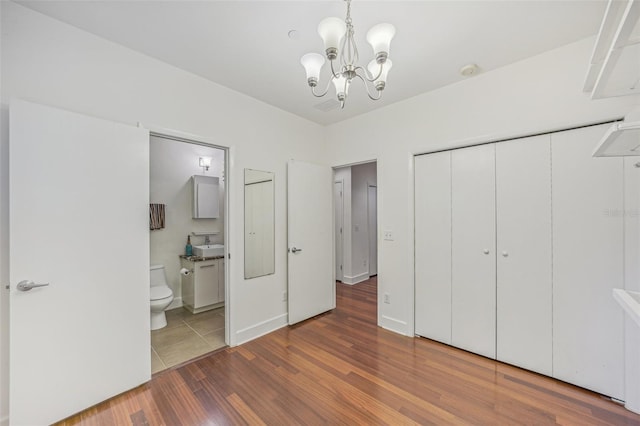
x,y
229,255
341,267
341,230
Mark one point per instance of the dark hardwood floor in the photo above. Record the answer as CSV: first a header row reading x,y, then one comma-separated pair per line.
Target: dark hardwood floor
x,y
340,368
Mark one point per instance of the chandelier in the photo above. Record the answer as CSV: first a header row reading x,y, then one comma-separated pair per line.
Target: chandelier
x,y
337,32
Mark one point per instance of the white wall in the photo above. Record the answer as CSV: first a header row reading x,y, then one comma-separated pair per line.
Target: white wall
x,y
172,164
361,176
538,94
46,61
343,174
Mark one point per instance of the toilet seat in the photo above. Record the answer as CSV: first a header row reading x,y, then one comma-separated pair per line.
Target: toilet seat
x,y
160,292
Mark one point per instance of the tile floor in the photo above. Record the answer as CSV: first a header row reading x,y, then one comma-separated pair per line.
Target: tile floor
x,y
185,337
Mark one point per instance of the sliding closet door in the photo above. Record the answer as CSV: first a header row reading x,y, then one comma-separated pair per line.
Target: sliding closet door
x,y
523,199
473,249
587,263
433,246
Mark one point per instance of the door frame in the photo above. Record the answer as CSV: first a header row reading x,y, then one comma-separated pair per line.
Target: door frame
x,y
179,136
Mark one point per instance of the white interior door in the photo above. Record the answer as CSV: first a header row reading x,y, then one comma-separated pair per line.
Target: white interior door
x,y
524,290
79,221
339,211
372,207
473,293
433,246
310,221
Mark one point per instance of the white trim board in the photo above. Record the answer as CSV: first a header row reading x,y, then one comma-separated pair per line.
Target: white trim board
x,y
355,279
395,325
260,329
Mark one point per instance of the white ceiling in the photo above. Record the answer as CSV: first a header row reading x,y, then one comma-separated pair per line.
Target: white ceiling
x,y
244,44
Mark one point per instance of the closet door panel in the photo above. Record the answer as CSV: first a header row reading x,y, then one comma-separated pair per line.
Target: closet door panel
x,y
524,289
433,246
473,224
587,263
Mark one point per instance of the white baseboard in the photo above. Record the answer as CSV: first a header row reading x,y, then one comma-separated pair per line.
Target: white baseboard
x,y
176,303
394,325
355,279
260,329
4,421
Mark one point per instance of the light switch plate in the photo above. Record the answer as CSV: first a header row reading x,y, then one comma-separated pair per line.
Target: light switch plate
x,y
388,235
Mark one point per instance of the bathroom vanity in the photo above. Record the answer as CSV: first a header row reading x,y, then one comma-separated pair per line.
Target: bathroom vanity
x,y
203,288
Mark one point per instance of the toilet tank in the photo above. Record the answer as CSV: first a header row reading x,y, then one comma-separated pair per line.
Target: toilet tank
x,y
158,276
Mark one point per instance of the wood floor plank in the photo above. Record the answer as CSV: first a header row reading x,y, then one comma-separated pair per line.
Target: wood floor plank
x,y
341,368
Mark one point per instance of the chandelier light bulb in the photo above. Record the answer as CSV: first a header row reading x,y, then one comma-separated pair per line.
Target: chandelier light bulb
x,y
312,63
379,37
331,31
342,87
374,70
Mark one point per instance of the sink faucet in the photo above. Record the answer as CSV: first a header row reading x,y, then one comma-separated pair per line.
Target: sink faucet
x,y
207,241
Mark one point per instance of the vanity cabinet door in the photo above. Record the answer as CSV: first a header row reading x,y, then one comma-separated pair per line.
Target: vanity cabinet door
x,y
206,283
220,280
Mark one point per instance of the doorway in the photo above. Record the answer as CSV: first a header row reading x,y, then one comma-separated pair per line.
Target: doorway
x,y
181,170
356,222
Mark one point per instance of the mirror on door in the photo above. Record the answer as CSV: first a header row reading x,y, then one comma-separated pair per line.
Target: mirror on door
x,y
259,225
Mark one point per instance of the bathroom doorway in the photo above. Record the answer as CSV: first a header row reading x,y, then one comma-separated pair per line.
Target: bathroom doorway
x,y
188,193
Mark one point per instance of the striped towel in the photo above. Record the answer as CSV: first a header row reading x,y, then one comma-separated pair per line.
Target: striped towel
x,y
156,216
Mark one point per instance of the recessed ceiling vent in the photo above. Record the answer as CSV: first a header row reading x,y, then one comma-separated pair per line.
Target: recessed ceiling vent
x,y
327,106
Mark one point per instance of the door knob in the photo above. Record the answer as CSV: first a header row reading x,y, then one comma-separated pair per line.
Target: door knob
x,y
28,285
485,251
295,250
505,254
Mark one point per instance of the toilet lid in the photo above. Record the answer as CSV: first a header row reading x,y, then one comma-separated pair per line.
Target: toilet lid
x,y
160,292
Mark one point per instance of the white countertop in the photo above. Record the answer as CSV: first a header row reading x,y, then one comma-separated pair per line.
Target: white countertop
x,y
630,302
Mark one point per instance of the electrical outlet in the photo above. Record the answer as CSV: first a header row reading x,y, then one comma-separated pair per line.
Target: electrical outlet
x,y
387,298
284,296
388,235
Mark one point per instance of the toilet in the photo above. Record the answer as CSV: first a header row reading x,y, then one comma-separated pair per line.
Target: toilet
x,y
161,297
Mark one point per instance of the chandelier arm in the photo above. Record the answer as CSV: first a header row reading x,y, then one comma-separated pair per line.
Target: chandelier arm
x,y
333,72
367,73
373,98
313,90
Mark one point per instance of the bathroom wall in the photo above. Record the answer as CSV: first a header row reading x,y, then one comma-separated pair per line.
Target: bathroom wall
x,y
172,164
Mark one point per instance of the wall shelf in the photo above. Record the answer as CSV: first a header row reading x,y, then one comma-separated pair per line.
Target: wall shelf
x,y
614,69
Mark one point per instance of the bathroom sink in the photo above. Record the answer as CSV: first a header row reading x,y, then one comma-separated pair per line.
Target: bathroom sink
x,y
209,250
